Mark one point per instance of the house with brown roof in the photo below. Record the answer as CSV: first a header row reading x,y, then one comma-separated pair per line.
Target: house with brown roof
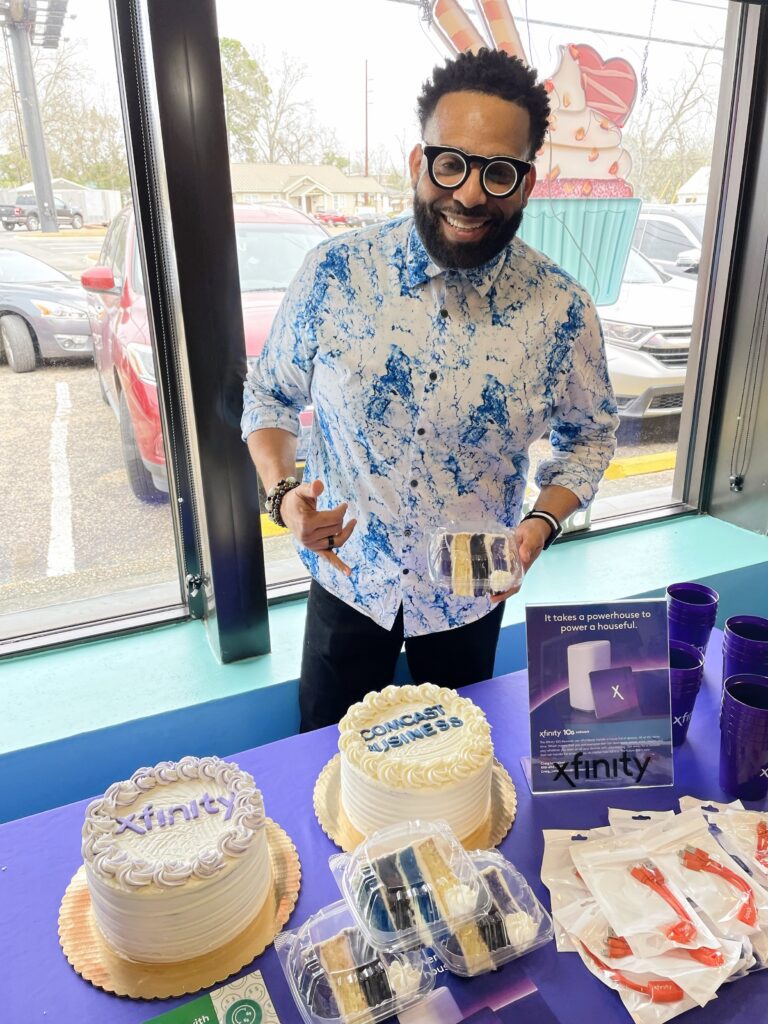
x,y
309,187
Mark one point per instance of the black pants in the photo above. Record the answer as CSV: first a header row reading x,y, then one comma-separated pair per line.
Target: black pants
x,y
346,655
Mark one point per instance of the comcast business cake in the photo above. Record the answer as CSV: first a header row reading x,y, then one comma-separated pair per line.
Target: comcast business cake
x,y
415,752
176,859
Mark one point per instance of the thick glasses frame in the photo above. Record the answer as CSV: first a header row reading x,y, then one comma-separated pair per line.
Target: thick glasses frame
x,y
521,167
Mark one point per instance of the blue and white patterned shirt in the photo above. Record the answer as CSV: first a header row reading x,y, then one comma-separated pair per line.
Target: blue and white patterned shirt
x,y
428,386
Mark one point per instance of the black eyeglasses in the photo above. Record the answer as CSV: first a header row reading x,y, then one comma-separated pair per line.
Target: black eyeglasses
x,y
500,176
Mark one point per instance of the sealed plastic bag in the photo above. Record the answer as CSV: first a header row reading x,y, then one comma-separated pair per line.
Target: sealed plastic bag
x,y
560,875
649,992
640,901
622,820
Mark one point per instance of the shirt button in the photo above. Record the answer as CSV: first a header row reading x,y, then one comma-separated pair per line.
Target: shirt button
x,y
421,431
433,376
407,531
406,571
414,483
443,312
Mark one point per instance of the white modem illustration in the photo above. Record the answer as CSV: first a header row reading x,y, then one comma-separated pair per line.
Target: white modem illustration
x,y
583,659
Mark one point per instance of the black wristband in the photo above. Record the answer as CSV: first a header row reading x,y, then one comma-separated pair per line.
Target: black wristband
x,y
275,497
552,520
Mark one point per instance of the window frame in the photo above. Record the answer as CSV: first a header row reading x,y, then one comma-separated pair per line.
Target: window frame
x,y
170,80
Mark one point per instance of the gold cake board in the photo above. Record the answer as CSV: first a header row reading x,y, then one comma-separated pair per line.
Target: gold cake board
x,y
336,825
89,954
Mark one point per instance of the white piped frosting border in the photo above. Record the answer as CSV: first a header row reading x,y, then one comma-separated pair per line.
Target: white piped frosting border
x,y
134,871
474,753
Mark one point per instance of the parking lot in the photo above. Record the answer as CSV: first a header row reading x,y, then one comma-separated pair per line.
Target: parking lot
x,y
73,530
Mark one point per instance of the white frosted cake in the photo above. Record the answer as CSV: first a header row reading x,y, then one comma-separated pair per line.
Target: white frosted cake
x,y
415,752
176,859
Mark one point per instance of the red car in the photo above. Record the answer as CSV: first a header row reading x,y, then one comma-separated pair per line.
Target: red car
x,y
272,242
331,217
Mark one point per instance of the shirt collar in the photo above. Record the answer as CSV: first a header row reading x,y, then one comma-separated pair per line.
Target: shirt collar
x,y
421,267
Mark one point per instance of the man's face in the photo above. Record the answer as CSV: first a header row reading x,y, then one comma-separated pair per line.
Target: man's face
x,y
464,227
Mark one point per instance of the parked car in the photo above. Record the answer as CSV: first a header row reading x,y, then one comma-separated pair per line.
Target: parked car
x,y
43,313
670,236
366,217
25,211
331,217
272,241
647,338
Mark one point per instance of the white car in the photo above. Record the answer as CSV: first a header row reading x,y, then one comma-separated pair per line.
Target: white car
x,y
647,337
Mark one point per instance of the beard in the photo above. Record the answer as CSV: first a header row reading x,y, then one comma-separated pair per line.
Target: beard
x,y
462,255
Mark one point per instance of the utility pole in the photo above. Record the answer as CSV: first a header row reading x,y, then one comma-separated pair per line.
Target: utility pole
x,y
21,23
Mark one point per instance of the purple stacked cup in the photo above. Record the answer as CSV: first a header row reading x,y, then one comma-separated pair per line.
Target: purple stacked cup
x,y
691,612
745,646
744,736
686,668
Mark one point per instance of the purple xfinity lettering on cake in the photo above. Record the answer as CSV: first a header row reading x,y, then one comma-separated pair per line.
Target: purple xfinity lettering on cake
x,y
128,823
182,808
207,805
229,804
146,816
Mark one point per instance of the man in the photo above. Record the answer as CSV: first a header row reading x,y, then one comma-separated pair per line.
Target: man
x,y
434,351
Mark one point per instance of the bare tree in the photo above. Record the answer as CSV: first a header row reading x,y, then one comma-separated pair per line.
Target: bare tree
x,y
672,136
81,122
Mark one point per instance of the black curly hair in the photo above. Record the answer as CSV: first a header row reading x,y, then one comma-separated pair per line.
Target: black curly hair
x,y
495,73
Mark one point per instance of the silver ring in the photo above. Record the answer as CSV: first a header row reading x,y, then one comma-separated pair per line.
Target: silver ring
x,y
331,543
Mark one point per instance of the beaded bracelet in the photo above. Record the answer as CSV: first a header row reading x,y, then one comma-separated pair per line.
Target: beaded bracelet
x,y
275,497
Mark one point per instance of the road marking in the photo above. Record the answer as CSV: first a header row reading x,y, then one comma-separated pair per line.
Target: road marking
x,y
638,465
61,548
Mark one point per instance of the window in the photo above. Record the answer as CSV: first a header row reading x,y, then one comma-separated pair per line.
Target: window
x,y
87,536
638,162
663,241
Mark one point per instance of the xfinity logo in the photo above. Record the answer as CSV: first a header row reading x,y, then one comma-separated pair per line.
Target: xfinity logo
x,y
579,768
616,693
681,719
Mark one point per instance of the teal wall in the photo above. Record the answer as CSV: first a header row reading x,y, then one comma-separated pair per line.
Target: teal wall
x,y
76,719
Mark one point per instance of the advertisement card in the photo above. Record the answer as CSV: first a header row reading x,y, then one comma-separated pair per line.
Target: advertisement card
x,y
598,680
244,1001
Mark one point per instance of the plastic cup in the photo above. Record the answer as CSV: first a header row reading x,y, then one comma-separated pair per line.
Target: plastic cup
x,y
686,667
745,646
744,736
691,612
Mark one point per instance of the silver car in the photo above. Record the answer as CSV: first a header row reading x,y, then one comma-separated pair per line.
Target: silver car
x,y
43,313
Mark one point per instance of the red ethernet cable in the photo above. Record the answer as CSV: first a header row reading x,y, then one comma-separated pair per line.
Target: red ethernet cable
x,y
762,844
684,930
616,947
659,990
696,859
648,874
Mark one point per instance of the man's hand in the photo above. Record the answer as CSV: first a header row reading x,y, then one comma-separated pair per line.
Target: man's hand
x,y
531,537
315,530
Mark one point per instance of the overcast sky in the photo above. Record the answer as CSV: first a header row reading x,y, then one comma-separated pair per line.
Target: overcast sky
x,y
334,38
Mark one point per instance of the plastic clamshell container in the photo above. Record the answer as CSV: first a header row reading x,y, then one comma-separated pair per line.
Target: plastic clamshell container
x,y
474,559
334,973
515,924
410,884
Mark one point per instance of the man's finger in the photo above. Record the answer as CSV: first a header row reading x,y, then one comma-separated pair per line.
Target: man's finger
x,y
322,541
495,598
336,562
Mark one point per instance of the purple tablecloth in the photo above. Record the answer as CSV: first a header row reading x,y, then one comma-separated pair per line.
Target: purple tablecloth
x,y
39,855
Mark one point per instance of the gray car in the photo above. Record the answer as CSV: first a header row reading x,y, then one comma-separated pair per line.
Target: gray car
x,y
43,313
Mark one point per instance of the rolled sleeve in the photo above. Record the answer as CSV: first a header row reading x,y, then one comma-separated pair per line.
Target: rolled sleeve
x,y
584,422
279,385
